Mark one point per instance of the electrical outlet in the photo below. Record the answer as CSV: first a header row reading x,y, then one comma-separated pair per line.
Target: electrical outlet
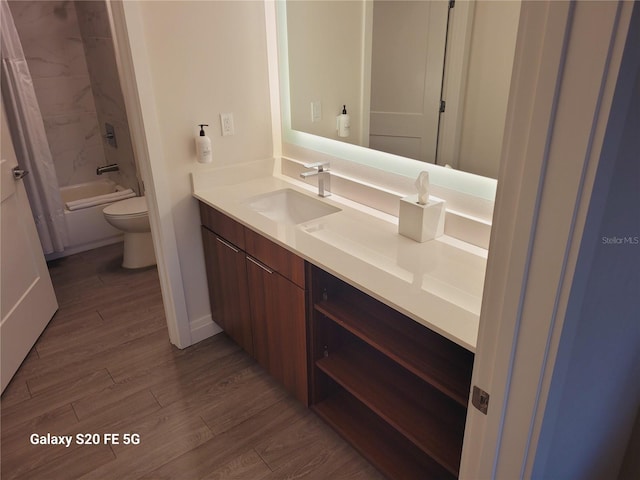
x,y
226,124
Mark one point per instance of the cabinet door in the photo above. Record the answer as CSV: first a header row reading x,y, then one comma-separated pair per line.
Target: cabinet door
x,y
228,292
279,328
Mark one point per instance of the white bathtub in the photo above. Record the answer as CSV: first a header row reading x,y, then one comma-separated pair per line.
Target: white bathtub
x,y
87,227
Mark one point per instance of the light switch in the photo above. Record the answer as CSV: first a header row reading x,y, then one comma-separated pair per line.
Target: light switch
x,y
316,111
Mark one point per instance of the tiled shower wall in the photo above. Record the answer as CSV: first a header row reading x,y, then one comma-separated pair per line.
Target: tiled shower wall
x,y
72,63
93,21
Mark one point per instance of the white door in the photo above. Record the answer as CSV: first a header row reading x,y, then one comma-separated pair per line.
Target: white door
x,y
406,77
27,300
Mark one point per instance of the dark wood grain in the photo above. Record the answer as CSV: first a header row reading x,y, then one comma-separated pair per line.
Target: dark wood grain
x,y
383,446
385,369
221,224
426,354
426,417
275,257
228,290
258,299
202,412
279,328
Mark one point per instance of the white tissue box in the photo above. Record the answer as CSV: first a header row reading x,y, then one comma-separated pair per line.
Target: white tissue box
x,y
421,222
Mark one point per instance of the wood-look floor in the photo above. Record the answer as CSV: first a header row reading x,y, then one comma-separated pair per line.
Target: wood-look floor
x,y
105,365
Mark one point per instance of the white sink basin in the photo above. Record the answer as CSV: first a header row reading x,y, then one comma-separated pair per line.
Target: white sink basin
x,y
289,206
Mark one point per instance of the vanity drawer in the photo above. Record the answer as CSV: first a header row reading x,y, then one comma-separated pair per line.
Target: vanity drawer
x,y
275,257
221,224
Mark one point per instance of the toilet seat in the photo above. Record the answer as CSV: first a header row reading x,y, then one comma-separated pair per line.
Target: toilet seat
x,y
131,207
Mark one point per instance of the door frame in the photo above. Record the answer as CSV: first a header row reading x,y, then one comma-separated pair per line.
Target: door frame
x,y
556,124
134,71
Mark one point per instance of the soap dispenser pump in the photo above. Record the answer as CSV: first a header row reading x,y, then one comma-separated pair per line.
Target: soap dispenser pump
x,y
343,123
203,146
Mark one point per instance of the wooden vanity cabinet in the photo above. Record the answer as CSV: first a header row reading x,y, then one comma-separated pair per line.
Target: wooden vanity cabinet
x,y
276,279
257,292
228,290
393,388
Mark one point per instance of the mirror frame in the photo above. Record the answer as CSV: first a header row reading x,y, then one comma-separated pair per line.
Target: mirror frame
x,y
464,182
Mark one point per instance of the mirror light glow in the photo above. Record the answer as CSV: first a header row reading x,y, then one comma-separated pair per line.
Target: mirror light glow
x,y
464,182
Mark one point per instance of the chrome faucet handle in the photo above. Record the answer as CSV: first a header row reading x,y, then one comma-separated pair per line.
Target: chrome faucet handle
x,y
324,177
321,166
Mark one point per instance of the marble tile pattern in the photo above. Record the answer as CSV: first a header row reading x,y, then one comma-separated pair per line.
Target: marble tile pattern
x,y
93,22
70,53
54,51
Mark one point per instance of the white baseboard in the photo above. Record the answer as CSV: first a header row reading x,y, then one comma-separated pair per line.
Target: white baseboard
x,y
84,247
202,328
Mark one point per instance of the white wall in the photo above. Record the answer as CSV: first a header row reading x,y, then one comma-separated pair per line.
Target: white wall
x,y
325,64
205,58
493,41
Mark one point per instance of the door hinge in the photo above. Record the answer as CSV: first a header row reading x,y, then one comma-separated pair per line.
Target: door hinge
x,y
452,3
443,105
480,399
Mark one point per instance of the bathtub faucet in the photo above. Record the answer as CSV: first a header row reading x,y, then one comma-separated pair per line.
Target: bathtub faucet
x,y
107,168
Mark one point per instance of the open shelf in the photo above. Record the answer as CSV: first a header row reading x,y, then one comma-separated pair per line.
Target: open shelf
x,y
393,388
420,413
391,453
426,354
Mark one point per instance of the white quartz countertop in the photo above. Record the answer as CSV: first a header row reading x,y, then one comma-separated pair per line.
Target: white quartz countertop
x,y
437,283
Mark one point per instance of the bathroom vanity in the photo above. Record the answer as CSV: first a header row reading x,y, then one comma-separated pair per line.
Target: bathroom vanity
x,y
257,294
373,331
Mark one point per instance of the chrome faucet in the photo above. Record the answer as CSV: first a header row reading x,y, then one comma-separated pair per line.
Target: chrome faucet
x,y
107,168
324,177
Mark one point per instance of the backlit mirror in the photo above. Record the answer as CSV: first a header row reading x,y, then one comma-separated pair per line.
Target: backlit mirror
x,y
396,65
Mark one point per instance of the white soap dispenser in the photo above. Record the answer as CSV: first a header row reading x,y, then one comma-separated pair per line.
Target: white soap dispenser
x,y
343,123
203,146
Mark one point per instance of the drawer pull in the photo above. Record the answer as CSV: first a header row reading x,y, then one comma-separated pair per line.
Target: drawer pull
x,y
264,267
227,244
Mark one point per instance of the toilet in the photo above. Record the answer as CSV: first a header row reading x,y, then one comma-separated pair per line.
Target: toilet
x,y
131,216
